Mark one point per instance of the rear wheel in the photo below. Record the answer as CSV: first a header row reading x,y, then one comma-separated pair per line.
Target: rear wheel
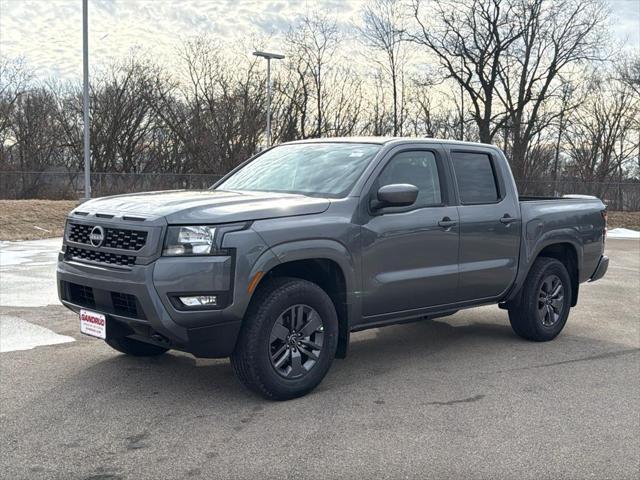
x,y
545,302
135,347
288,339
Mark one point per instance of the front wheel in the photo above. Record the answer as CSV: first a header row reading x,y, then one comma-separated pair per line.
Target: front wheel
x,y
546,299
288,339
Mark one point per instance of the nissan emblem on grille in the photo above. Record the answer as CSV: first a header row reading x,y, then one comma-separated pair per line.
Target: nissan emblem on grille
x,y
96,237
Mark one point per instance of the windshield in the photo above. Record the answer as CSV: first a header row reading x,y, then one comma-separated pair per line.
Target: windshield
x,y
315,169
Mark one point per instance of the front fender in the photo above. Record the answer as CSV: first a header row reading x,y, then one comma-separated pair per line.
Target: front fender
x,y
319,249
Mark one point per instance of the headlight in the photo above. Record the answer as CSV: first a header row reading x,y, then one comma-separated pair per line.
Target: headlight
x,y
192,240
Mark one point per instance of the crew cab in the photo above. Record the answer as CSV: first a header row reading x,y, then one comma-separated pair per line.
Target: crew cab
x,y
280,261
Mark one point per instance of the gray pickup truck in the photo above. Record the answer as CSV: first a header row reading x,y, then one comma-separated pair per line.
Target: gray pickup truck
x,y
299,246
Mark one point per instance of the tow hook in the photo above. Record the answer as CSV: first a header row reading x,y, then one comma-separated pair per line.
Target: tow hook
x,y
156,337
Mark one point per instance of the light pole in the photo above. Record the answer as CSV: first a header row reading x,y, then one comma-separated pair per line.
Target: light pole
x,y
85,100
461,99
268,56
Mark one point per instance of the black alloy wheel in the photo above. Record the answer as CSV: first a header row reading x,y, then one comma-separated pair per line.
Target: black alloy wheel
x,y
550,300
296,341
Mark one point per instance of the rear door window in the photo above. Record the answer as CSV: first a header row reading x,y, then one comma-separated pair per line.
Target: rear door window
x,y
477,182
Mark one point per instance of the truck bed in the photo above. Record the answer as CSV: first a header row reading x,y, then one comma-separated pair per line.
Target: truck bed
x,y
577,219
532,198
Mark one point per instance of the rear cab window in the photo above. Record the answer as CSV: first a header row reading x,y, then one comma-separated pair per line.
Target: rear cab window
x,y
476,177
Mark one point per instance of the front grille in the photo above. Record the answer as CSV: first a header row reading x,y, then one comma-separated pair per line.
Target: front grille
x,y
81,295
99,257
119,238
124,304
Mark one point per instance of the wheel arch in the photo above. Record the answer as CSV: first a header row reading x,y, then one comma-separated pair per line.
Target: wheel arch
x,y
567,252
329,265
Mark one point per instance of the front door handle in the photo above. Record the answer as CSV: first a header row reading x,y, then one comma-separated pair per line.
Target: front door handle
x,y
507,219
447,223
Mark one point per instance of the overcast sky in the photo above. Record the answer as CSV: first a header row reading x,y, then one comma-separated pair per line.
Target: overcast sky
x,y
48,33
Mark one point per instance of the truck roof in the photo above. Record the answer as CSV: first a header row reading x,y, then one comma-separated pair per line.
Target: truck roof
x,y
388,140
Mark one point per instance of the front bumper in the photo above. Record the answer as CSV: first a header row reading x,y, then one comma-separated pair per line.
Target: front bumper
x,y
138,302
601,269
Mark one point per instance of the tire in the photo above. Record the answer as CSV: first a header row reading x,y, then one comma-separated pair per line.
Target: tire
x,y
545,302
274,360
135,347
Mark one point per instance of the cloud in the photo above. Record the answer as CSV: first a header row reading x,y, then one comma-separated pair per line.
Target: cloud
x,y
48,33
625,22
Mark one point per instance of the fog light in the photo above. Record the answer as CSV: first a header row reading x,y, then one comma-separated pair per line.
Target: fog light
x,y
199,301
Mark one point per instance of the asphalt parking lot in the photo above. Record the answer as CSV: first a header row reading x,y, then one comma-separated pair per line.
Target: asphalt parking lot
x,y
460,397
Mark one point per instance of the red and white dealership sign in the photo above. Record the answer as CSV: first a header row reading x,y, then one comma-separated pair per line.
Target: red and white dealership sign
x,y
94,324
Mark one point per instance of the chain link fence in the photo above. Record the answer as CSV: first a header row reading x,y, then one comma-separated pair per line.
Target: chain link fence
x,y
620,196
70,185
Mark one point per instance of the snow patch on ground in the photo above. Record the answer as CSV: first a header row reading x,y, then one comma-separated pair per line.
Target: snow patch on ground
x,y
18,334
28,273
622,233
29,251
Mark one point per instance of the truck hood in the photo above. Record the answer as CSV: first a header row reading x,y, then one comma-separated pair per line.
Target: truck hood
x,y
206,206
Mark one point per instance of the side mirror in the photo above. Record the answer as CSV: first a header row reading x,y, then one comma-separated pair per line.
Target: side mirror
x,y
396,195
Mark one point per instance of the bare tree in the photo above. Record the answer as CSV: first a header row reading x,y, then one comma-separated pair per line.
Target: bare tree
x,y
312,45
507,56
629,72
14,80
383,30
216,112
510,72
429,117
567,90
551,38
379,120
469,39
598,139
344,105
36,133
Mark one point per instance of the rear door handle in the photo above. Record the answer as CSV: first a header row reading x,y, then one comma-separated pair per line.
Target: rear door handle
x,y
446,223
507,219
